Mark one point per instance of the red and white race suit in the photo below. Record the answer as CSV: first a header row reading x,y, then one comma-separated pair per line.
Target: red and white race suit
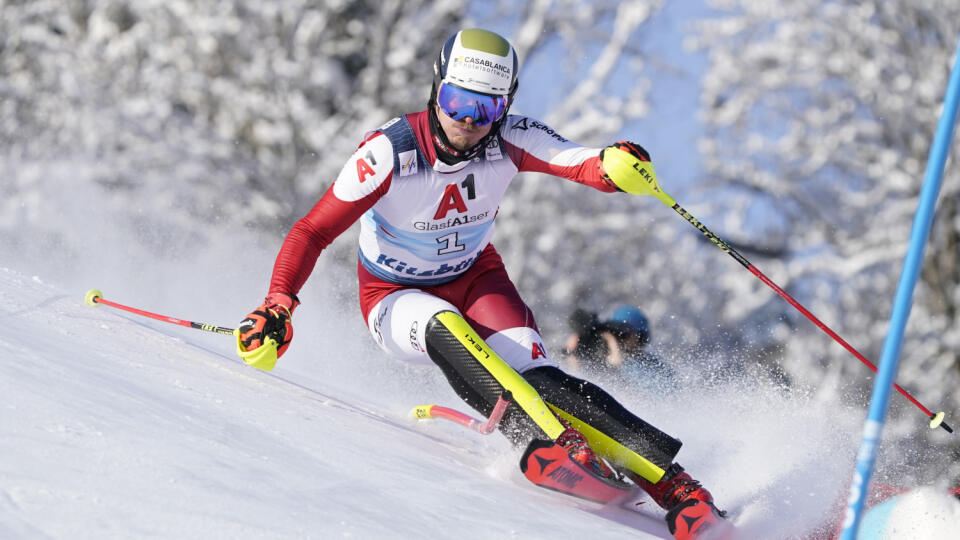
x,y
426,229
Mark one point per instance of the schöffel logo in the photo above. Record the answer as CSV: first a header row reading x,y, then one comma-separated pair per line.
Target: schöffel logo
x,y
526,123
547,129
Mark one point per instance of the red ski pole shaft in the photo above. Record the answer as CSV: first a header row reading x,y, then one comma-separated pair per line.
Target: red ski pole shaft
x,y
936,419
95,297
465,420
636,175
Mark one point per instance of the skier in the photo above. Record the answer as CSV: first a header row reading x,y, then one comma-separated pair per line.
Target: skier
x,y
426,187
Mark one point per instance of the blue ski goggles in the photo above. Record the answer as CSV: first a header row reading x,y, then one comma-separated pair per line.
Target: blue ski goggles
x,y
458,104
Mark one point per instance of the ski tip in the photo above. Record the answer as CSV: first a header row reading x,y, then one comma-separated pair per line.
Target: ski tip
x,y
93,295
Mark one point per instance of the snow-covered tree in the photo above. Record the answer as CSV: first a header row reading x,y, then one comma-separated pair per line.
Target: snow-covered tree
x,y
563,245
819,117
236,113
221,111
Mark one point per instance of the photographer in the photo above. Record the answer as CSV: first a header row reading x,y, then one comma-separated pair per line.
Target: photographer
x,y
586,347
615,346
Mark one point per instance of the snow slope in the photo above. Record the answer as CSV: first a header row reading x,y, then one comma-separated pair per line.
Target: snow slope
x,y
113,427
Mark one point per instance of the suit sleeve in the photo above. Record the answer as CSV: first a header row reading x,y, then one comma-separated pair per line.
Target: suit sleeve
x,y
364,179
536,147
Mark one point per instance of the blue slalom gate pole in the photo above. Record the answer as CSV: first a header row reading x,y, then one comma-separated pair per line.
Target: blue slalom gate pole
x,y
913,262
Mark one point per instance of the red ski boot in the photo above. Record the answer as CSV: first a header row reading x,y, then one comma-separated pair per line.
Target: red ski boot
x,y
697,520
675,487
689,506
579,450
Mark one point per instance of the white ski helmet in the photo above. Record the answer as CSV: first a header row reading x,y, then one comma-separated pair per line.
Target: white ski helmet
x,y
478,61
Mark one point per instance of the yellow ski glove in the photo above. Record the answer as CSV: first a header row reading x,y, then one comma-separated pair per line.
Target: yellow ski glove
x,y
628,167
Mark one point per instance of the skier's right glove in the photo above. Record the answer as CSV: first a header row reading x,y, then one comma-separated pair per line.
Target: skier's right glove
x,y
628,167
264,335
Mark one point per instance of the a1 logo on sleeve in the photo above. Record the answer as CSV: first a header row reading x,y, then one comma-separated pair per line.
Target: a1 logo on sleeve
x,y
363,167
369,167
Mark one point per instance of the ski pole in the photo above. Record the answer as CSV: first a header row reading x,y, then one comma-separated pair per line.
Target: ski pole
x,y
936,420
646,184
424,412
263,357
95,297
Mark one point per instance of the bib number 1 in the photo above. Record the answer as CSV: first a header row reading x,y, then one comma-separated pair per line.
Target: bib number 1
x,y
450,243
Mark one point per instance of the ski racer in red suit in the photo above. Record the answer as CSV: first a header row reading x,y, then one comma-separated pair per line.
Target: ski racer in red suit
x,y
426,188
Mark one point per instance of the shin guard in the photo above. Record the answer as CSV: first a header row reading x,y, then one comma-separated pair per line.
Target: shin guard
x,y
479,376
613,432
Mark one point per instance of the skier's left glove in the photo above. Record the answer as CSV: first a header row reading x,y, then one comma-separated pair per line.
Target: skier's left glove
x,y
627,167
264,335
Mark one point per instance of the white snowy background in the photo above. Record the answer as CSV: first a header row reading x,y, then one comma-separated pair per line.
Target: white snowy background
x,y
158,151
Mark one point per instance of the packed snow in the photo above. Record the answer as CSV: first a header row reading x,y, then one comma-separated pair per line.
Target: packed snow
x,y
115,426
